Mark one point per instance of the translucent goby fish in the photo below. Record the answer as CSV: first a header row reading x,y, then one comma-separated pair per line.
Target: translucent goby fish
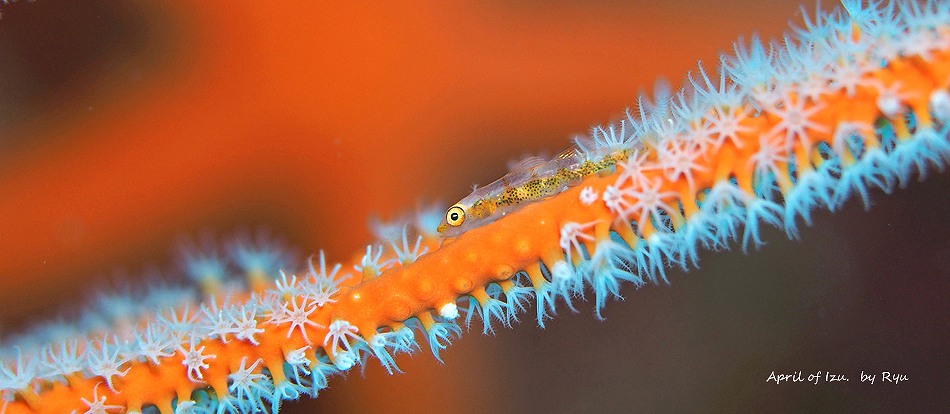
x,y
529,180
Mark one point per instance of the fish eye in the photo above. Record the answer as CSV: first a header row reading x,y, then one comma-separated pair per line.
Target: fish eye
x,y
455,216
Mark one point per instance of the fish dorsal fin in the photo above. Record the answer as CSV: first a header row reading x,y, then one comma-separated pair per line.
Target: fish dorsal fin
x,y
523,170
567,154
526,166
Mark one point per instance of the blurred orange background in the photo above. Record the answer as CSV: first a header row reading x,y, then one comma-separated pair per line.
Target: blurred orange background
x,y
124,125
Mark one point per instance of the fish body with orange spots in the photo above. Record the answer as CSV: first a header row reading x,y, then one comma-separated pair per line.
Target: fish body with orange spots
x,y
529,180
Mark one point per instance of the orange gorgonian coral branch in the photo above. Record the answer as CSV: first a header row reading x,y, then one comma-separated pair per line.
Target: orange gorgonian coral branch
x,y
857,100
